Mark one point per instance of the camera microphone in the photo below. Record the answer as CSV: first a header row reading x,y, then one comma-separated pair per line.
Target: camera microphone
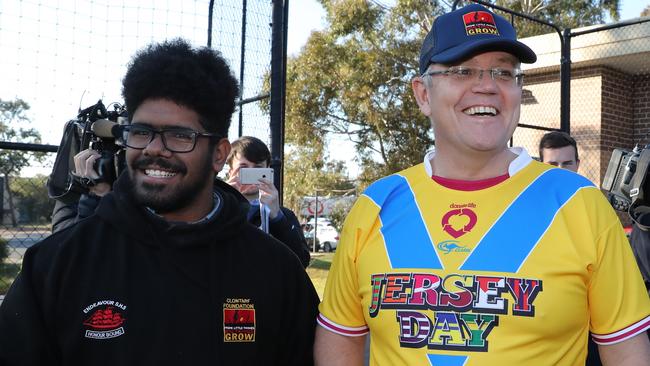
x,y
106,128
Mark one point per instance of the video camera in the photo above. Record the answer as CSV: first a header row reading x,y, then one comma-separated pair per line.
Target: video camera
x,y
626,183
96,128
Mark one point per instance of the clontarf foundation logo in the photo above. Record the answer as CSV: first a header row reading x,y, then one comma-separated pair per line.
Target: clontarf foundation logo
x,y
105,320
460,220
238,320
480,22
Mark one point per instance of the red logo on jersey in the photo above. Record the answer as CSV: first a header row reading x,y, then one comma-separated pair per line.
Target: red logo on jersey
x,y
458,222
238,320
480,22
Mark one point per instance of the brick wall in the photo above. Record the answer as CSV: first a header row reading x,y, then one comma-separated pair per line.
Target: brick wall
x,y
609,109
618,115
641,108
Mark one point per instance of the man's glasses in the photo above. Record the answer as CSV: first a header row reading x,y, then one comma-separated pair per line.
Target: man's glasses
x,y
179,140
464,74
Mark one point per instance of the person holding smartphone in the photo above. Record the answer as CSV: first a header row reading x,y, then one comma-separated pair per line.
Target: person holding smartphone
x,y
251,152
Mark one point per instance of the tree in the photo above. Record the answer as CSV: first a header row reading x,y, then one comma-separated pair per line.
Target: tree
x,y
353,78
562,13
645,12
307,170
339,212
13,115
30,194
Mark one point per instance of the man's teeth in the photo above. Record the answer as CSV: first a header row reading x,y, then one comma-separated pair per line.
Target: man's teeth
x,y
159,173
482,110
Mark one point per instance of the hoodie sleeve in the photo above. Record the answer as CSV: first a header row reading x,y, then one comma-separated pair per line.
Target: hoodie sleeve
x,y
63,216
300,318
287,230
24,337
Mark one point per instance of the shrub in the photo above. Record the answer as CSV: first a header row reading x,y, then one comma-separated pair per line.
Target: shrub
x,y
4,249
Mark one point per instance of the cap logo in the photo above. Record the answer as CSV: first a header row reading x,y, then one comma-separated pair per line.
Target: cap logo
x,y
480,22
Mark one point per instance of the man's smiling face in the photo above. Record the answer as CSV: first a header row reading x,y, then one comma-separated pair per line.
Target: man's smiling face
x,y
170,182
477,115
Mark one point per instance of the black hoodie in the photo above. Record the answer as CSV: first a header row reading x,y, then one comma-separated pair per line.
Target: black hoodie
x,y
125,287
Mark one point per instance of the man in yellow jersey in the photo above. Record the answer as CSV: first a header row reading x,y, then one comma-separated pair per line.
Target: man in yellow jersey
x,y
481,255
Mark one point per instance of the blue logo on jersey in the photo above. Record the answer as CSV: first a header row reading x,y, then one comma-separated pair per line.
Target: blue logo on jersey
x,y
449,246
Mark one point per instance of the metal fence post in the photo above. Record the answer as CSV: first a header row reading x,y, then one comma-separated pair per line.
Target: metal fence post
x,y
565,82
277,92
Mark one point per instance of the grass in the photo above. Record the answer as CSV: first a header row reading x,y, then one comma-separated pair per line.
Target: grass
x,y
318,270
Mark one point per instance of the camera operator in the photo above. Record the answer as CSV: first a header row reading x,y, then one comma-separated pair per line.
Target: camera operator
x,y
66,214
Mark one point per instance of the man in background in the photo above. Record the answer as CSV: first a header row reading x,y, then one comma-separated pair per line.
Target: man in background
x,y
251,152
559,149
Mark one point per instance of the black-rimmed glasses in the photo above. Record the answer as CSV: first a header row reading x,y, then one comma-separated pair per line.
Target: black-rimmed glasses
x,y
504,76
179,140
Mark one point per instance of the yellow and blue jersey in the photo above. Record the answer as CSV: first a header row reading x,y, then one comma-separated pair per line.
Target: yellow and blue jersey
x,y
520,272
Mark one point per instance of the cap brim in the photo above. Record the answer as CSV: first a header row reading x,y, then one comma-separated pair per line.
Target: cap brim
x,y
466,50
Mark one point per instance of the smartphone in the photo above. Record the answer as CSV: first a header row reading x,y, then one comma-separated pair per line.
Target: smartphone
x,y
252,175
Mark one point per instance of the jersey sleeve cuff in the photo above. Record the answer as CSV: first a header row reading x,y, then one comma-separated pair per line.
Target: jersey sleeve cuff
x,y
341,329
623,334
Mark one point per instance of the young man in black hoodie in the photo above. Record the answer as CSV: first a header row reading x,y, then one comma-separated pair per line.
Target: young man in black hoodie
x,y
168,271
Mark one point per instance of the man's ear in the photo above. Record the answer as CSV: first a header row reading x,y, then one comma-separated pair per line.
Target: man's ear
x,y
220,154
421,94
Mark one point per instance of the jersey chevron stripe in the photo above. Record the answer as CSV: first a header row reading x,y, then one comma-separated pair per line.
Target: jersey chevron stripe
x,y
447,360
396,200
531,213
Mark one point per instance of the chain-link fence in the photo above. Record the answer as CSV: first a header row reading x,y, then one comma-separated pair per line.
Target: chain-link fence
x,y
59,57
592,82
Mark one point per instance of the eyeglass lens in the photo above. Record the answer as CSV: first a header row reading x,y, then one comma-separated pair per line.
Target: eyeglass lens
x,y
176,140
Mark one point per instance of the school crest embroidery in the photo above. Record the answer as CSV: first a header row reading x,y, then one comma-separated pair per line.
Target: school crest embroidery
x,y
106,319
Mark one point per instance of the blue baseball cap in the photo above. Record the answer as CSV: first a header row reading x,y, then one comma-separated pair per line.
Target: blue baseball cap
x,y
468,31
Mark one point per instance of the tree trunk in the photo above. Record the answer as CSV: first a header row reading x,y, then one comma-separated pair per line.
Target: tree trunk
x,y
10,196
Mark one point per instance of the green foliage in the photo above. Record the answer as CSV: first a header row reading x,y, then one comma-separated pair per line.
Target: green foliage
x,y
31,199
12,116
562,13
354,79
339,212
4,250
8,273
306,169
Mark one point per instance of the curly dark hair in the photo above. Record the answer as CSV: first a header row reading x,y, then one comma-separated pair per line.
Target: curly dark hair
x,y
199,79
